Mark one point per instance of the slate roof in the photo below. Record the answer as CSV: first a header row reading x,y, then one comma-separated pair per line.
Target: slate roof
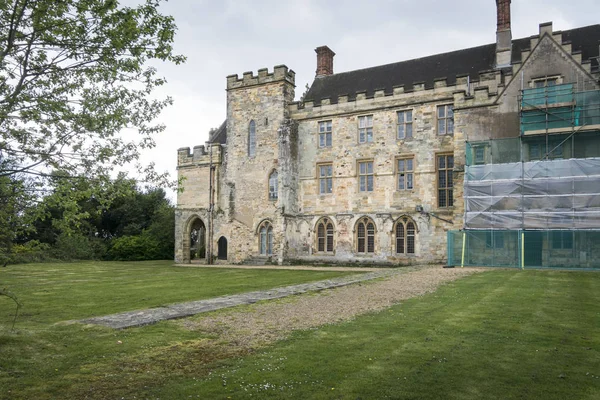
x,y
220,136
447,65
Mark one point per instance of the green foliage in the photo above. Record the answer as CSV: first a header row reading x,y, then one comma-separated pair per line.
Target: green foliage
x,y
135,248
73,74
30,252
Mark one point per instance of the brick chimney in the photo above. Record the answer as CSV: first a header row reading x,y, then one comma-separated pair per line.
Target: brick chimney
x,y
324,61
503,34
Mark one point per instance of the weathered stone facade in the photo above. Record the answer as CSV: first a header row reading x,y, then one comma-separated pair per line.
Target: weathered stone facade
x,y
288,140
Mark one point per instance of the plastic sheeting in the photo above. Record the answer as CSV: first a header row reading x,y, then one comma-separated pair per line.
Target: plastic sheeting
x,y
548,194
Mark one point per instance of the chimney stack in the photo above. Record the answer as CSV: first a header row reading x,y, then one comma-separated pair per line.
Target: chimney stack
x,y
503,34
324,61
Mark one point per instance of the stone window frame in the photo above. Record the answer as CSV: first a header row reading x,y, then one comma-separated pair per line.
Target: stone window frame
x,y
448,190
446,121
406,172
401,236
323,179
265,236
325,236
273,195
407,134
325,129
252,139
366,174
366,130
365,237
557,79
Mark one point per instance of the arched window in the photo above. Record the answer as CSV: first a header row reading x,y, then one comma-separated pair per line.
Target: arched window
x,y
265,244
273,186
365,236
252,139
405,236
325,231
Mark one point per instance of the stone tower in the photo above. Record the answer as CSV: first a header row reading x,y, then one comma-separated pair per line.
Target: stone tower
x,y
259,175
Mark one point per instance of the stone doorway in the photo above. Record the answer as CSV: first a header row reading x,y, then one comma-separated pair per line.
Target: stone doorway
x,y
197,240
222,248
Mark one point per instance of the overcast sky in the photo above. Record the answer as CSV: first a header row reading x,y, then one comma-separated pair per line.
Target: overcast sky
x,y
224,37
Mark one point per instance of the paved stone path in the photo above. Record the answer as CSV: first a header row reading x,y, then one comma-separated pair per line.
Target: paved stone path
x,y
152,315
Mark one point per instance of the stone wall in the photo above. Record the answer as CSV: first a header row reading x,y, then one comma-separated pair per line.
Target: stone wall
x,y
288,142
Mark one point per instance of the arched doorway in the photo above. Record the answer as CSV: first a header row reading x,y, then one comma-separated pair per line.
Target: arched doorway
x,y
222,248
197,240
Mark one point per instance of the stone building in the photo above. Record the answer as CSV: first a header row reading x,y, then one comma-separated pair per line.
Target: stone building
x,y
369,166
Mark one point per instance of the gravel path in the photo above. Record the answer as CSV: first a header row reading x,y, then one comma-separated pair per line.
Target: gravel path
x,y
264,323
130,319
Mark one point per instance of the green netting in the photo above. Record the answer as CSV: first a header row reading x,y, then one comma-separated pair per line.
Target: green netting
x,y
558,106
550,95
531,148
561,249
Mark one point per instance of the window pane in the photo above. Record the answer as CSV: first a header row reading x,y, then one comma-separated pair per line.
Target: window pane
x,y
441,112
400,117
409,165
450,125
450,112
361,238
400,165
369,167
400,238
401,181
400,131
442,162
408,116
442,127
409,130
328,139
442,198
369,134
370,183
450,161
441,179
409,181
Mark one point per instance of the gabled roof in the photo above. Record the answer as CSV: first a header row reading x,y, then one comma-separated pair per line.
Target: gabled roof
x,y
428,69
220,135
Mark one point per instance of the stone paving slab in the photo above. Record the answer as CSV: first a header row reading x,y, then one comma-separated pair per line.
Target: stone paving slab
x,y
131,319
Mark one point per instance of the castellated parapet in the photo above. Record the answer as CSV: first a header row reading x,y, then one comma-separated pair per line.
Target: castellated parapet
x,y
199,156
280,73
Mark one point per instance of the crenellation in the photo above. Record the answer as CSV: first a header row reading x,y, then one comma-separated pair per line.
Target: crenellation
x,y
271,184
280,73
440,83
398,90
199,156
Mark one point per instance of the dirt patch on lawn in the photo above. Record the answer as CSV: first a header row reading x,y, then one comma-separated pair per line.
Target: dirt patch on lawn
x,y
264,323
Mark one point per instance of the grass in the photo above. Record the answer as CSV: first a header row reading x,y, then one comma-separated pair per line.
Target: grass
x,y
503,334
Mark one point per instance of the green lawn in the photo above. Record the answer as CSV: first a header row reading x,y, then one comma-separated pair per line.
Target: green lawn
x,y
59,292
504,334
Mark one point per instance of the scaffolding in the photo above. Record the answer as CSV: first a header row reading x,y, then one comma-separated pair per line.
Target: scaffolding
x,y
534,200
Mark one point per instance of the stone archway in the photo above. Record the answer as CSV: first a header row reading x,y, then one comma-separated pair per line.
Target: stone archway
x,y
222,248
197,240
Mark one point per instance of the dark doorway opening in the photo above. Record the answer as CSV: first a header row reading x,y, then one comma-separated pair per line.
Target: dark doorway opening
x,y
222,248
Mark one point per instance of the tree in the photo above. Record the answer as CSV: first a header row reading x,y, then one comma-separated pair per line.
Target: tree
x,y
73,75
